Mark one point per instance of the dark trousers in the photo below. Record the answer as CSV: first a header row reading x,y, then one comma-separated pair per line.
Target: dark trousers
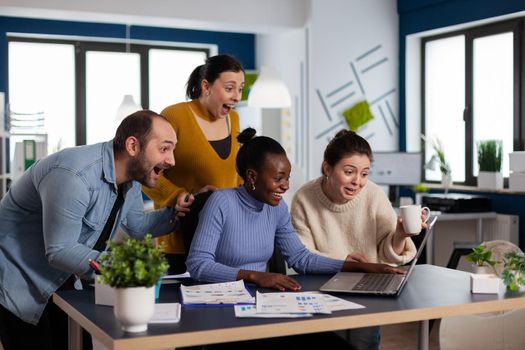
x,y
50,333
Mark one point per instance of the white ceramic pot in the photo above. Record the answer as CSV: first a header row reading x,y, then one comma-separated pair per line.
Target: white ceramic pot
x,y
134,307
446,180
491,180
482,269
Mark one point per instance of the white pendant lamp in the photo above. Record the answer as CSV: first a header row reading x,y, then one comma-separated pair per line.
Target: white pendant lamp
x,y
269,91
127,106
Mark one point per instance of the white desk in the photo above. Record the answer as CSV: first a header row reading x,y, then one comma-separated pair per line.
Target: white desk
x,y
479,217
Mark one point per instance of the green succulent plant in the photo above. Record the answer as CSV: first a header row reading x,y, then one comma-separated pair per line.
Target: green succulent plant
x,y
481,257
133,263
514,271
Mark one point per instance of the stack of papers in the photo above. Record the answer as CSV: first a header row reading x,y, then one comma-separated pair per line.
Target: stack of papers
x,y
217,293
166,313
292,305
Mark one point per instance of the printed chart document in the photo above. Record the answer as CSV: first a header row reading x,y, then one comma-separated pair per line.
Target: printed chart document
x,y
338,304
166,313
291,303
244,311
217,293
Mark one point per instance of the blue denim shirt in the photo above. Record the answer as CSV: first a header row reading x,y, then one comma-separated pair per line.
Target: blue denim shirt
x,y
52,217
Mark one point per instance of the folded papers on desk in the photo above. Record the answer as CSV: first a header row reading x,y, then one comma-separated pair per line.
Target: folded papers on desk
x,y
217,293
293,305
166,313
247,311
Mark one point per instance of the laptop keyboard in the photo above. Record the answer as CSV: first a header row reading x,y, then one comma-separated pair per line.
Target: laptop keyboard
x,y
373,282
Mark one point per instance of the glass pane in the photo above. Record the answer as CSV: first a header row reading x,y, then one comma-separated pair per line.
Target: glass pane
x,y
109,76
42,94
493,93
444,103
168,73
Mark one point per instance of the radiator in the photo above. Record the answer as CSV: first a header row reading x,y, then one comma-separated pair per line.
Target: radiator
x,y
504,227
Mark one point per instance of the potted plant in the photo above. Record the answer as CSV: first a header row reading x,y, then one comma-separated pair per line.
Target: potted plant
x,y
514,271
482,260
490,157
133,267
439,158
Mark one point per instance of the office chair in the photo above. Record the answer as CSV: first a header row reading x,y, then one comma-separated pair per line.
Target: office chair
x,y
499,330
494,331
460,249
189,222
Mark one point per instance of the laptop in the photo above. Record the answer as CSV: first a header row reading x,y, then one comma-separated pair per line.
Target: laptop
x,y
376,283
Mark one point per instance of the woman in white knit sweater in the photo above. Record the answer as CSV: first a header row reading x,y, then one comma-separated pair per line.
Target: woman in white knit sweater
x,y
342,213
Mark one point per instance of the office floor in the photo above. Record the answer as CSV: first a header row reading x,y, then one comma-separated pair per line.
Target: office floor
x,y
404,337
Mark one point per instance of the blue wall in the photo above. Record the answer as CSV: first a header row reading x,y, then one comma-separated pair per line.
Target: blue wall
x,y
241,46
421,15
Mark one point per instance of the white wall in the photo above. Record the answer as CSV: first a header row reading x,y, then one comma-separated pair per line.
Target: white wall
x,y
286,53
341,40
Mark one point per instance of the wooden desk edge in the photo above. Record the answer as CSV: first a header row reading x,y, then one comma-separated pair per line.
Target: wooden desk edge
x,y
290,328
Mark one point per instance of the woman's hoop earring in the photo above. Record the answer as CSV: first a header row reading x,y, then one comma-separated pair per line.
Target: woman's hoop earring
x,y
253,186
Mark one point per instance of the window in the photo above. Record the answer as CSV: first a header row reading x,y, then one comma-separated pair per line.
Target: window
x,y
42,93
109,75
75,87
471,92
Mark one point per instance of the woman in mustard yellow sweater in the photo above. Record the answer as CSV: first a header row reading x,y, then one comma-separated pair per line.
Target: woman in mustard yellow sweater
x,y
207,129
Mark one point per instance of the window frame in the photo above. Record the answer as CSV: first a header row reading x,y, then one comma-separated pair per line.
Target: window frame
x,y
81,48
470,34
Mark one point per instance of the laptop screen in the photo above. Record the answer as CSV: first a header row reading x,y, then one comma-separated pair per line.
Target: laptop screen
x,y
428,233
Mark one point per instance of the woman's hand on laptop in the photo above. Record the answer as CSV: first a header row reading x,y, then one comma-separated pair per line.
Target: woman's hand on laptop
x,y
351,266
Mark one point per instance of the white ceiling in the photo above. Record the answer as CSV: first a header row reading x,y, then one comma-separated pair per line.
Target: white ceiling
x,y
248,16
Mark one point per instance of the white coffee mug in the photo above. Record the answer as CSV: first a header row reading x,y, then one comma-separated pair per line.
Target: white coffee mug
x,y
411,215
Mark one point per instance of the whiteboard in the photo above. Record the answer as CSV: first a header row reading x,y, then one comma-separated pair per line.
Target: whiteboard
x,y
396,168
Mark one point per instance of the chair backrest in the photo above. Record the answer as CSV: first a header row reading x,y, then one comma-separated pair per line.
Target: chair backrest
x,y
499,248
189,222
495,331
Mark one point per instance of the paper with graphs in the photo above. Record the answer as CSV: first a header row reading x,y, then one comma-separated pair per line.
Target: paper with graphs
x,y
217,293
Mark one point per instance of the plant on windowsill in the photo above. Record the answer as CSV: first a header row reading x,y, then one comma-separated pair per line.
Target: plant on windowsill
x,y
133,267
481,259
490,157
514,271
439,158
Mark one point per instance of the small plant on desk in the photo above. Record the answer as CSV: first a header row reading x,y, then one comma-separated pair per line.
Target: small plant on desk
x,y
514,271
133,263
481,258
133,268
